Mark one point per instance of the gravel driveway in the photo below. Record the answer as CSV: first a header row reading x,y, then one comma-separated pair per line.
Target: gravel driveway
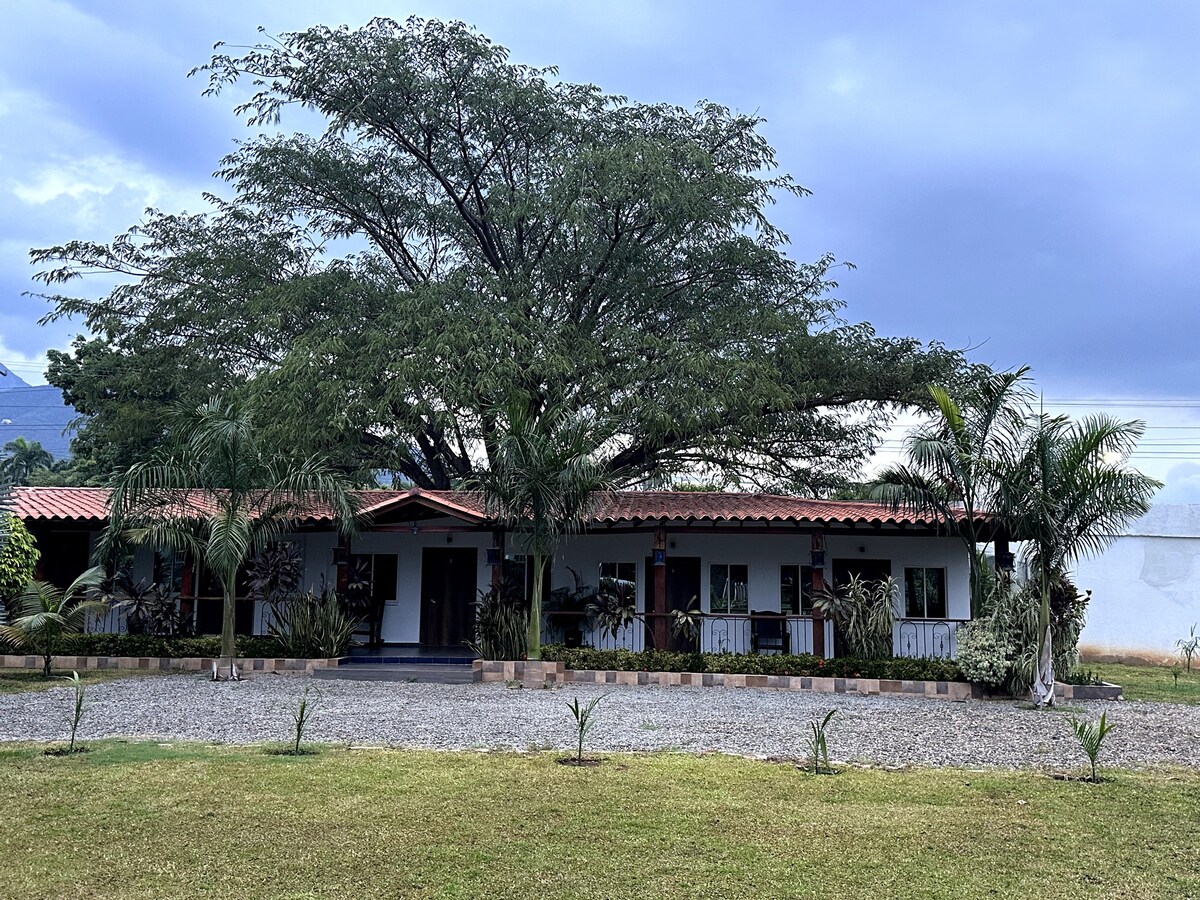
x,y
890,731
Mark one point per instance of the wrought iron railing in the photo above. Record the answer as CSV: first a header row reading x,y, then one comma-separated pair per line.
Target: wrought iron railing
x,y
114,618
927,637
714,632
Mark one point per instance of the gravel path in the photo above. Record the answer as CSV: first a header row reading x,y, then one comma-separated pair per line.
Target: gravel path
x,y
738,721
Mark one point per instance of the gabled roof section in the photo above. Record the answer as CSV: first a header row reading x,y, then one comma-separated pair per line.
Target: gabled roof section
x,y
418,503
624,508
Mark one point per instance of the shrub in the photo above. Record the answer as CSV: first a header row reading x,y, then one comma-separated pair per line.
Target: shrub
x,y
19,557
149,608
902,669
864,613
170,647
501,622
1014,622
311,626
982,658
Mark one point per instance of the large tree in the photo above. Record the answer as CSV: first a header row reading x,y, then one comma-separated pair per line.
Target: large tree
x,y
467,229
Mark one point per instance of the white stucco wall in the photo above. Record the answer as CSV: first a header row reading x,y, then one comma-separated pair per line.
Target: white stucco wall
x,y
1145,586
762,554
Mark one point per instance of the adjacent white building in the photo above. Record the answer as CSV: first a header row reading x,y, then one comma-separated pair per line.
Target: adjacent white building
x,y
1145,586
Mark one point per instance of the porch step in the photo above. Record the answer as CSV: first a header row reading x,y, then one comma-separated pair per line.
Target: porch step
x,y
392,660
429,673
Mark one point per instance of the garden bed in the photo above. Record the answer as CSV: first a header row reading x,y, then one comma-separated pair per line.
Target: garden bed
x,y
803,665
1102,691
170,663
542,673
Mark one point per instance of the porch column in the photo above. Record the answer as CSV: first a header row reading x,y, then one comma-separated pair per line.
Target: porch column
x,y
818,585
342,561
659,606
187,590
1004,557
497,556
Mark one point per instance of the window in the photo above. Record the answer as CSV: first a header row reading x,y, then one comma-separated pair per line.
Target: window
x,y
796,590
168,570
925,593
374,576
728,588
618,581
518,572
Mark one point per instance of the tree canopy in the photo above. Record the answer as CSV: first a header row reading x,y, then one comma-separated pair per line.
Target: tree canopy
x,y
467,230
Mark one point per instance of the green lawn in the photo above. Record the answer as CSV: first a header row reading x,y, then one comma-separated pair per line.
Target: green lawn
x,y
13,681
141,820
1151,682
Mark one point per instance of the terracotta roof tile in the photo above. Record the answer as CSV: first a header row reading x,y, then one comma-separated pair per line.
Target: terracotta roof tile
x,y
626,507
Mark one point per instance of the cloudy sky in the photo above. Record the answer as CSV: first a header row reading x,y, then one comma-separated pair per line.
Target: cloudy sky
x,y
1018,177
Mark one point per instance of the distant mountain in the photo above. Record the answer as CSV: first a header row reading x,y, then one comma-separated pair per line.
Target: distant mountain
x,y
9,379
34,412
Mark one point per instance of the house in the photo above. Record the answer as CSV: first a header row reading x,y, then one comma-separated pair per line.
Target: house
x,y
749,562
1145,586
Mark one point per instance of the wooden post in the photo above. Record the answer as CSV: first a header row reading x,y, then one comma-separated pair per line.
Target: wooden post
x,y
343,565
187,591
498,562
1004,557
660,630
818,585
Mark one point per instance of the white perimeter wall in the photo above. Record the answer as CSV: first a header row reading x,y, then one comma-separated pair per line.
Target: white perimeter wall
x,y
1145,586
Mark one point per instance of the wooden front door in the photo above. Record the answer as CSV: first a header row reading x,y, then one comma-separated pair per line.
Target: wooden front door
x,y
448,585
683,591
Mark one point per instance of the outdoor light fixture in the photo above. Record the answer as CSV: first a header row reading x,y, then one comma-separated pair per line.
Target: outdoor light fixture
x,y
493,557
660,556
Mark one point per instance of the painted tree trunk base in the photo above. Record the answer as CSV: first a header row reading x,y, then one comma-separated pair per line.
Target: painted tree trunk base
x,y
1043,684
233,675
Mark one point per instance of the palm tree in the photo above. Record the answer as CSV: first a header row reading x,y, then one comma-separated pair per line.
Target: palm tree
x,y
952,463
1067,491
24,458
45,615
215,492
541,484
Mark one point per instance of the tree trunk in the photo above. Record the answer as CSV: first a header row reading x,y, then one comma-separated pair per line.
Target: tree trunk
x,y
46,664
534,648
1043,682
228,618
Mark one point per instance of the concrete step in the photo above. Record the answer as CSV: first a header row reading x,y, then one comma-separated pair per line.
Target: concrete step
x,y
436,673
393,659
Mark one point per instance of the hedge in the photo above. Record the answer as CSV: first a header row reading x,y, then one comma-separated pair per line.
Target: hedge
x,y
899,669
173,647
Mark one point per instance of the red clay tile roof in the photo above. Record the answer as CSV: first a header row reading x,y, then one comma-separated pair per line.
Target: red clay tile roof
x,y
626,507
